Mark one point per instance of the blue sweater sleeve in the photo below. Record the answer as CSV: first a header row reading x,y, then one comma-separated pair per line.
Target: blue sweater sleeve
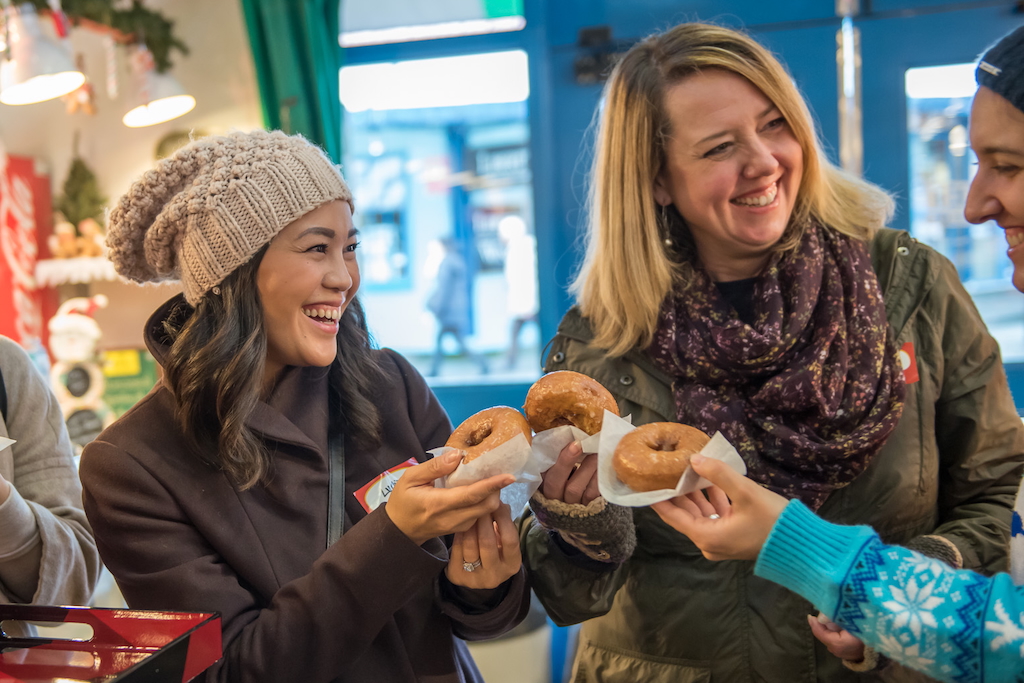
x,y
954,625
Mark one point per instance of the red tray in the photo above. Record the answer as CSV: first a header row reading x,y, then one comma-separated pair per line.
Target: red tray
x,y
126,645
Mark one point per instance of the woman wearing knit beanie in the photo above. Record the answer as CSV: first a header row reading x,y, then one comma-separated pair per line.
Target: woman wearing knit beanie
x,y
954,625
253,480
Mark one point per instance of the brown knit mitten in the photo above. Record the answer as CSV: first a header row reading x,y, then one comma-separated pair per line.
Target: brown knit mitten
x,y
938,548
600,530
873,661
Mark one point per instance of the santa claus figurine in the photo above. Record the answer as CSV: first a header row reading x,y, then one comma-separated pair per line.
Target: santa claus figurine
x,y
77,376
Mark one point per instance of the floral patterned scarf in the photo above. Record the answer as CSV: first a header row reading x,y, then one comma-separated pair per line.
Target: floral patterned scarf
x,y
808,393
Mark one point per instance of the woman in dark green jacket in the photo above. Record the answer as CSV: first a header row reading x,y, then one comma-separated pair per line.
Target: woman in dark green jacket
x,y
738,282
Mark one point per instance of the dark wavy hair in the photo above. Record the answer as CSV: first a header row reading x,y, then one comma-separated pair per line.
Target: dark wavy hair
x,y
215,372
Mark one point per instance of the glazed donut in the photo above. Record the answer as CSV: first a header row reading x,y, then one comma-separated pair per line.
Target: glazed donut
x,y
655,455
568,398
487,430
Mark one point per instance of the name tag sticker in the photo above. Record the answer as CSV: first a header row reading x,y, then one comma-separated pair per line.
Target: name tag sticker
x,y
908,359
378,489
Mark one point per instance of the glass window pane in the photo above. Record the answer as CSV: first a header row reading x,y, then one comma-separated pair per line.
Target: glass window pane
x,y
376,22
444,204
941,168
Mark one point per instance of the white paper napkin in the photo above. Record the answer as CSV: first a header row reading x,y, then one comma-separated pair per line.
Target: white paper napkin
x,y
614,491
549,443
511,457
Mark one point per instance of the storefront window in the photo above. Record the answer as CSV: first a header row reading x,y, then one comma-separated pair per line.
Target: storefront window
x,y
941,168
439,164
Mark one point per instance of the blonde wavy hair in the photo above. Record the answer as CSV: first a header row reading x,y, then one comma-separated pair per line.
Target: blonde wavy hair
x,y
627,271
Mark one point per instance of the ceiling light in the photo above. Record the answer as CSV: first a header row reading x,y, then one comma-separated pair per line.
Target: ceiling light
x,y
159,97
38,68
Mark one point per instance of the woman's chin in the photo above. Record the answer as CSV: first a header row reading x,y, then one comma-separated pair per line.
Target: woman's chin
x,y
319,358
1018,278
763,237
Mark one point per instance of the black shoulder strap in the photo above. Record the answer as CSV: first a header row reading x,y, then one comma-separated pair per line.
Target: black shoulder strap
x,y
3,397
336,471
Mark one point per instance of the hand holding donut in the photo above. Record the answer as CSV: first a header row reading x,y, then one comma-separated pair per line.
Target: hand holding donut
x,y
573,477
422,512
486,430
563,398
655,455
487,554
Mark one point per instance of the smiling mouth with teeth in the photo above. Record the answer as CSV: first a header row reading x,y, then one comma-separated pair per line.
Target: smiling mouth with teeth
x,y
1014,237
325,315
762,200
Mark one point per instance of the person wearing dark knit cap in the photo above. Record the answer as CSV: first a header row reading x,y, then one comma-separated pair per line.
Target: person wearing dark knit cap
x,y
954,625
275,474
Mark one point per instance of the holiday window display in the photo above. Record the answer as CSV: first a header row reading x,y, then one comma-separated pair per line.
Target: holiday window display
x,y
77,374
90,239
63,242
77,230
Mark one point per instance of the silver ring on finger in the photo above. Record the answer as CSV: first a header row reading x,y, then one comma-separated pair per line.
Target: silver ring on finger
x,y
714,516
471,566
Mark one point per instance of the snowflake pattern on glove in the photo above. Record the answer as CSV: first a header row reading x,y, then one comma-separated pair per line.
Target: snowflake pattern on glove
x,y
1010,632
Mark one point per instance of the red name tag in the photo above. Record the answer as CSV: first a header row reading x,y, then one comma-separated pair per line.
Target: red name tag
x,y
908,359
378,489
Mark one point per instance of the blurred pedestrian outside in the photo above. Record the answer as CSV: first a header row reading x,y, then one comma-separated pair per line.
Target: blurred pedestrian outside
x,y
521,280
449,303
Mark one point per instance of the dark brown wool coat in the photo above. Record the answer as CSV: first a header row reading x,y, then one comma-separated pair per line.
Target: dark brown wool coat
x,y
372,607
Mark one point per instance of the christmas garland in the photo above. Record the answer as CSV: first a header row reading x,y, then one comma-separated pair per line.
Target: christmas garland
x,y
134,24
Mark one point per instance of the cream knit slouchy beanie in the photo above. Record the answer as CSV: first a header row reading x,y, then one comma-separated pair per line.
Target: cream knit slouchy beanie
x,y
208,209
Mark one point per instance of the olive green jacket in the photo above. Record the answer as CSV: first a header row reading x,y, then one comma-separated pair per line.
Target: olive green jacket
x,y
951,467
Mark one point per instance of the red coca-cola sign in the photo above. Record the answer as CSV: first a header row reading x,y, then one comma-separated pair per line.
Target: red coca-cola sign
x,y
25,221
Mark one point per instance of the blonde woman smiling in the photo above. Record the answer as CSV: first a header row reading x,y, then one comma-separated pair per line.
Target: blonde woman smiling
x,y
738,282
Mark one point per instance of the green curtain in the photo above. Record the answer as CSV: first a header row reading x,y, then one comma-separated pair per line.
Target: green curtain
x,y
297,55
